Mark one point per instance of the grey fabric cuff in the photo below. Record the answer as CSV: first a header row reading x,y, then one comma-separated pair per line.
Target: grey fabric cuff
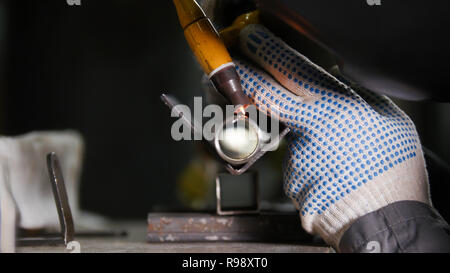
x,y
405,226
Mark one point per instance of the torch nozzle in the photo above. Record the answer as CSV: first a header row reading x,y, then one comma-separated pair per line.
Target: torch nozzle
x,y
210,51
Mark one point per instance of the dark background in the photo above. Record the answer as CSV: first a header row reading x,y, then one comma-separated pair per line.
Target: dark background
x,y
100,68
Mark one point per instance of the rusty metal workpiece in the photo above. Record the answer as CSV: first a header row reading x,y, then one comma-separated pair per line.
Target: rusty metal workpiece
x,y
204,227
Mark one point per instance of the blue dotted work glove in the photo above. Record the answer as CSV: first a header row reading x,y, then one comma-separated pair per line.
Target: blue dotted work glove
x,y
350,151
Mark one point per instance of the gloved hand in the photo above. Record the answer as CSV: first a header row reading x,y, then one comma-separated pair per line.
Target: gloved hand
x,y
350,151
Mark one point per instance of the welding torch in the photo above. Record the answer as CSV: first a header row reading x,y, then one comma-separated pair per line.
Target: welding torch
x,y
211,52
239,139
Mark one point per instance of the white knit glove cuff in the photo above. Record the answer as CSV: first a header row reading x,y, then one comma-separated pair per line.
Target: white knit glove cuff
x,y
404,182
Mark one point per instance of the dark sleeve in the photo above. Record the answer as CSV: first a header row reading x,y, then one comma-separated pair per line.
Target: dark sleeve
x,y
405,226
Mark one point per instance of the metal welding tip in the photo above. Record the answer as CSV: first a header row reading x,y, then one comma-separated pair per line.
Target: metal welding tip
x,y
210,51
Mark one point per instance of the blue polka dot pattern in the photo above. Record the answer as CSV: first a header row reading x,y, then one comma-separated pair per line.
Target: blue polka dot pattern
x,y
340,140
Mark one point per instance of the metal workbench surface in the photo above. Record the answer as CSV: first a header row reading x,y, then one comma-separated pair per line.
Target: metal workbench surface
x,y
135,242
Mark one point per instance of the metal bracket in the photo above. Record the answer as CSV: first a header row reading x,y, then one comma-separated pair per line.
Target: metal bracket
x,y
62,206
238,171
254,210
171,102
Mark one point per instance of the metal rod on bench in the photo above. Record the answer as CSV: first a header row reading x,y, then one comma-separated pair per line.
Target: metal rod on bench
x,y
61,199
62,207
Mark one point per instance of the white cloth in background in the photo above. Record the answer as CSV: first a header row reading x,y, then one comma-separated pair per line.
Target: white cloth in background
x,y
25,184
